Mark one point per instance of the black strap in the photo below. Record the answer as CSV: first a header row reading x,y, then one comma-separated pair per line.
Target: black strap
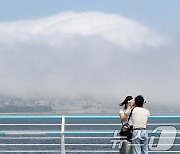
x,y
130,114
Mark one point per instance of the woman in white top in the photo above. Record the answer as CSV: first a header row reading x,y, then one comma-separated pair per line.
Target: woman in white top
x,y
123,117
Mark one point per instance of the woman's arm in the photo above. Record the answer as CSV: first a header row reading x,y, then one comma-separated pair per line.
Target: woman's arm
x,y
123,117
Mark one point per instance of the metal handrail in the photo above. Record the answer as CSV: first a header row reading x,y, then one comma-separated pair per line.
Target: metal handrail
x,y
27,117
63,132
77,117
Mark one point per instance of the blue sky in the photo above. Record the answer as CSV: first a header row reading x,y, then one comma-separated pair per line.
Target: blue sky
x,y
153,13
90,47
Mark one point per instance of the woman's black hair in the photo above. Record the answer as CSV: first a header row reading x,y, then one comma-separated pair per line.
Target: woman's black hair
x,y
128,98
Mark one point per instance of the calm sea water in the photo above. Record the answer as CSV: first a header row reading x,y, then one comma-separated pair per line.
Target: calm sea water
x,y
41,139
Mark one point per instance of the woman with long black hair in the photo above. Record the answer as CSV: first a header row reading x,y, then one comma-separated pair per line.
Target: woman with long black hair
x,y
126,145
125,105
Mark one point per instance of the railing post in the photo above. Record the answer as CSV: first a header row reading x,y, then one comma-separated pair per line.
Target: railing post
x,y
62,135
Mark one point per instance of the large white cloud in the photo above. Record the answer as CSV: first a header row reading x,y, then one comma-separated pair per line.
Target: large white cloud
x,y
76,54
52,30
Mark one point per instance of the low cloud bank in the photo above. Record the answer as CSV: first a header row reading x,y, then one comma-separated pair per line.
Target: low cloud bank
x,y
76,54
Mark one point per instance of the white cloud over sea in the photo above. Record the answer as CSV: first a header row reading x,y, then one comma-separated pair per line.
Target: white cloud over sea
x,y
88,53
59,28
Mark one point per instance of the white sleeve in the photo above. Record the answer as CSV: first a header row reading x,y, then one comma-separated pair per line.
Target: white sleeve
x,y
121,111
127,112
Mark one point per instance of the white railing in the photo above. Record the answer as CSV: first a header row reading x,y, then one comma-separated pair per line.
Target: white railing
x,y
79,134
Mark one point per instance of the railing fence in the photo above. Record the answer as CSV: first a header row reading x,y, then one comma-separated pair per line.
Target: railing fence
x,y
81,134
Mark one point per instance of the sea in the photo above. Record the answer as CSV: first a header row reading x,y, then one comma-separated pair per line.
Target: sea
x,y
41,139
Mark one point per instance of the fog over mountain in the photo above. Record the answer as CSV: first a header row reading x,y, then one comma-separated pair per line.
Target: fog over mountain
x,y
92,54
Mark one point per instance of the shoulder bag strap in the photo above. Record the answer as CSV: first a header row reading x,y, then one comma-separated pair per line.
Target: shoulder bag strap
x,y
130,114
